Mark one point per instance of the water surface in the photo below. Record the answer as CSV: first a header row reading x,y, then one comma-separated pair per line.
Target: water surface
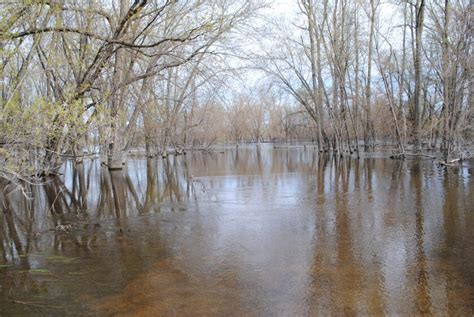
x,y
242,232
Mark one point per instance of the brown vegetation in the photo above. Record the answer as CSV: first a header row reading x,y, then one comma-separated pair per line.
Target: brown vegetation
x,y
81,78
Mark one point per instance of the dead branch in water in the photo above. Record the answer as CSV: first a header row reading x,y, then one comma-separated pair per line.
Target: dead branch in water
x,y
36,304
405,154
450,163
453,161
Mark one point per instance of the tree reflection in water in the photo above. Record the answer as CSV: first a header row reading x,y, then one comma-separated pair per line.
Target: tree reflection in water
x,y
250,230
80,199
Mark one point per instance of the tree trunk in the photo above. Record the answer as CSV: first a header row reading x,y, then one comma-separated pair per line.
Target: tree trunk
x,y
420,8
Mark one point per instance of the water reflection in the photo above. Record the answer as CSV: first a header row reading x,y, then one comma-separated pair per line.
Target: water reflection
x,y
253,231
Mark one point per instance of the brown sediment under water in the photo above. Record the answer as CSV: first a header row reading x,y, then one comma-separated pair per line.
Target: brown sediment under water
x,y
242,232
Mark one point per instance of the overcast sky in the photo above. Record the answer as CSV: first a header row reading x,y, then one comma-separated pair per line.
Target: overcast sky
x,y
388,13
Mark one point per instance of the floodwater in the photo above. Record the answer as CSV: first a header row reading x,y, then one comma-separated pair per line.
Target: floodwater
x,y
242,232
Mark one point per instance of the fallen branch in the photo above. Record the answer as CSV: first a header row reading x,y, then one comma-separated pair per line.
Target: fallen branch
x,y
36,304
404,154
452,162
79,155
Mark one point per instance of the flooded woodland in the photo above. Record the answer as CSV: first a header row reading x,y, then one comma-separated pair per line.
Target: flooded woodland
x,y
249,231
236,158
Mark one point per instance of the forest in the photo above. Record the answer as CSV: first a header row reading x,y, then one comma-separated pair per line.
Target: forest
x,y
106,77
236,157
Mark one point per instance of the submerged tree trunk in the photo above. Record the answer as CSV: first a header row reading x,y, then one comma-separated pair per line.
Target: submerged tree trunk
x,y
315,69
368,132
418,97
